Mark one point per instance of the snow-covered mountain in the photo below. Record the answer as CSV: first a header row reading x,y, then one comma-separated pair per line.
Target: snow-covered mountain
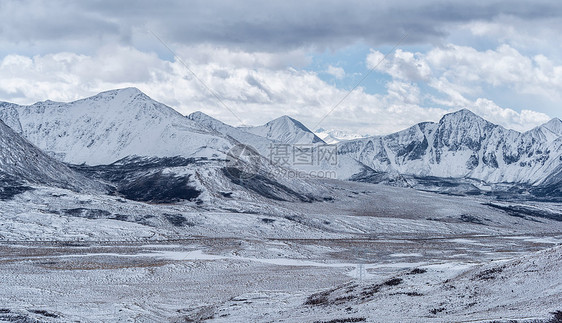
x,y
110,126
285,130
9,115
116,124
261,144
122,123
463,145
149,152
333,136
21,162
290,136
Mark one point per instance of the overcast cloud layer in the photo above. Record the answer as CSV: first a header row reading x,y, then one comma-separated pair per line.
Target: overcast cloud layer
x,y
502,59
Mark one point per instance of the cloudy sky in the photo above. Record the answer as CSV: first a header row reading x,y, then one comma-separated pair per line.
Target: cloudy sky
x,y
264,59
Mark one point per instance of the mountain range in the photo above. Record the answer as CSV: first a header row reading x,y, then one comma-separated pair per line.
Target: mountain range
x,y
110,126
125,124
464,145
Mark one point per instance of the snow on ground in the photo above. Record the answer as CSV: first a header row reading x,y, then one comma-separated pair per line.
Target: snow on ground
x,y
524,288
371,253
205,279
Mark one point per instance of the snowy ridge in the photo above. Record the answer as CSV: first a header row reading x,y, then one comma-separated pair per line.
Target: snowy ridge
x,y
261,144
20,161
461,145
9,115
285,130
295,133
113,125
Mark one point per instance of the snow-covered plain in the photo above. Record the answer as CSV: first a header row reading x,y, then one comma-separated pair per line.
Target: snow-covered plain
x,y
131,261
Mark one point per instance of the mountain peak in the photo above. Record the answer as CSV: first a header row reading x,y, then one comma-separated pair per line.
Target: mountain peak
x,y
126,90
554,125
287,130
207,121
115,124
285,119
463,113
461,116
124,94
554,122
198,115
332,136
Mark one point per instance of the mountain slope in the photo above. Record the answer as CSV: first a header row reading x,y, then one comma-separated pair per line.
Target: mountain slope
x,y
21,162
9,115
525,288
123,124
261,144
113,125
285,130
463,145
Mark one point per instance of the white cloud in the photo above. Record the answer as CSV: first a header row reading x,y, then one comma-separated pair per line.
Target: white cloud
x,y
530,37
253,85
459,73
335,71
257,91
401,65
403,92
68,76
508,118
205,54
504,66
466,69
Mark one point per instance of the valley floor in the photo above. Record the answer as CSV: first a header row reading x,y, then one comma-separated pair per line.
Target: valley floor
x,y
409,257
